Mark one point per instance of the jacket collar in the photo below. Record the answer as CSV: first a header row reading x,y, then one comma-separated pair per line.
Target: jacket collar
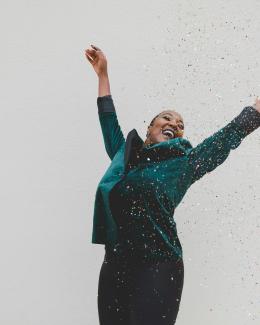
x,y
136,151
133,146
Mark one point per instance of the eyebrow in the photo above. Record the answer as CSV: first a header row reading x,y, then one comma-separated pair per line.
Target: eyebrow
x,y
172,115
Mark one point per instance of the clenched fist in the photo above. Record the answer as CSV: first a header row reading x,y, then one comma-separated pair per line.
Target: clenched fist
x,y
97,59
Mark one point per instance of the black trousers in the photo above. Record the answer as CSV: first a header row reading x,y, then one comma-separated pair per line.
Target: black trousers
x,y
133,293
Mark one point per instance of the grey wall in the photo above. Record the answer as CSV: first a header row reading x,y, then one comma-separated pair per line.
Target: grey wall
x,y
202,58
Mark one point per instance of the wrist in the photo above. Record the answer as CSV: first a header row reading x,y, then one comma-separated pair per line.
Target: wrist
x,y
103,85
103,75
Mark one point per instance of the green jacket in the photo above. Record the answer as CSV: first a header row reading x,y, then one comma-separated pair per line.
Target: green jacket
x,y
178,163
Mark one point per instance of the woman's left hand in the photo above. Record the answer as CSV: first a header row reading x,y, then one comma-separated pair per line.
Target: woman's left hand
x,y
257,104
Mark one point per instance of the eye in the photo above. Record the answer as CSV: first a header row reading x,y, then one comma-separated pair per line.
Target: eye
x,y
181,126
167,117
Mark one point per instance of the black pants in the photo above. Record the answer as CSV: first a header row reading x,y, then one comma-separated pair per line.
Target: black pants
x,y
133,293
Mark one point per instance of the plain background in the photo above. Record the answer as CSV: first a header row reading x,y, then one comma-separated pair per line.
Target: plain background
x,y
201,59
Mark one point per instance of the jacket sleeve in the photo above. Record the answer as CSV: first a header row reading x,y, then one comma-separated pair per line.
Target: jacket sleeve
x,y
112,134
214,150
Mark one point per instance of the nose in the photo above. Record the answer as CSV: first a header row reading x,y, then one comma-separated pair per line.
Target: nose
x,y
172,124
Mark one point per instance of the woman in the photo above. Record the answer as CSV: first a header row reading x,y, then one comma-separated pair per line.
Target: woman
x,y
141,278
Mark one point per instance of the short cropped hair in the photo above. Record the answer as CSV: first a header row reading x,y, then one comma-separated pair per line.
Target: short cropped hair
x,y
152,121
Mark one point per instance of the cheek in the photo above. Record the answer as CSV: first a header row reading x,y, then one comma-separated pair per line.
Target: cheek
x,y
158,127
157,132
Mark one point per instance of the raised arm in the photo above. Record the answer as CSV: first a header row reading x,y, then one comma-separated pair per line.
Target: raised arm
x,y
112,134
111,130
214,150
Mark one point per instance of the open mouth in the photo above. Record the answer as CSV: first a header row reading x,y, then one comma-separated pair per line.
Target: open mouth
x,y
168,133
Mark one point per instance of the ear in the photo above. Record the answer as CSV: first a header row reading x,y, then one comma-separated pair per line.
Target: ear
x,y
148,131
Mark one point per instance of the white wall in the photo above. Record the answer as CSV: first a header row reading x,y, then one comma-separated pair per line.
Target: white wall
x,y
201,58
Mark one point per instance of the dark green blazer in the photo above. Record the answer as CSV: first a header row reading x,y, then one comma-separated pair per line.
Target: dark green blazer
x,y
179,164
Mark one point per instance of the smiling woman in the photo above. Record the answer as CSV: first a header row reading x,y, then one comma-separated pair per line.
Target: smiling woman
x,y
166,125
141,278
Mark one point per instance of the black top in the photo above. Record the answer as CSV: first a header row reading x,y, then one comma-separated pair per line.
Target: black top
x,y
137,239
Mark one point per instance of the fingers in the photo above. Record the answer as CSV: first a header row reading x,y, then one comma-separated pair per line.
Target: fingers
x,y
95,47
91,52
90,59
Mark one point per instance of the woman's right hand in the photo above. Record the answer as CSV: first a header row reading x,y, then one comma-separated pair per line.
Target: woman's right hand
x,y
97,59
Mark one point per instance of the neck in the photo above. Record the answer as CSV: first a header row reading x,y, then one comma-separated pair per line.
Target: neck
x,y
147,141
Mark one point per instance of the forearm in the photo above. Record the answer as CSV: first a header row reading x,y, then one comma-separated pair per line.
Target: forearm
x,y
103,85
214,150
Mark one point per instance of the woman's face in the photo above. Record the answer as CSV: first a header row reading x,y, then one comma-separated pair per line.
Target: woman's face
x,y
167,125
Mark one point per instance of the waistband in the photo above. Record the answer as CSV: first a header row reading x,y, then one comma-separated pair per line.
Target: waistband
x,y
149,259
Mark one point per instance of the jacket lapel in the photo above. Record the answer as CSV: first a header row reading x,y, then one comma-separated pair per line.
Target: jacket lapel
x,y
133,143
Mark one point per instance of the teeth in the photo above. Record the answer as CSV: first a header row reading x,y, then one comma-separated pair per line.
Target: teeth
x,y
168,132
